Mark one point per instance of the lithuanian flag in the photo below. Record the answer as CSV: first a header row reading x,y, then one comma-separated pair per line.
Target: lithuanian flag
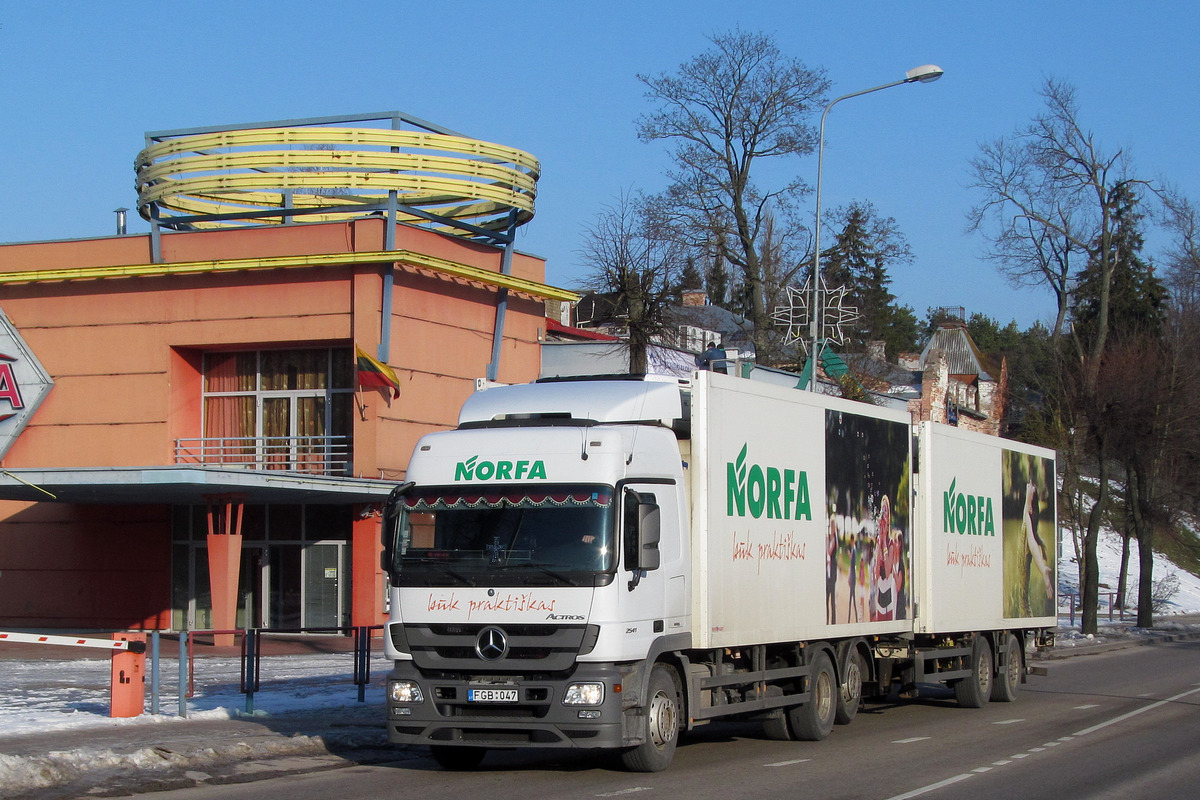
x,y
373,374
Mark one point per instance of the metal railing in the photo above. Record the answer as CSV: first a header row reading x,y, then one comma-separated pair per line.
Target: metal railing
x,y
251,658
315,455
1075,604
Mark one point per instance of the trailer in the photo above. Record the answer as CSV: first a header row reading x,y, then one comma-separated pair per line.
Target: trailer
x,y
607,563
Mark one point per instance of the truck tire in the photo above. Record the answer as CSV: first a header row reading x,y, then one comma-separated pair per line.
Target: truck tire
x,y
974,690
850,692
662,725
457,758
813,721
1008,680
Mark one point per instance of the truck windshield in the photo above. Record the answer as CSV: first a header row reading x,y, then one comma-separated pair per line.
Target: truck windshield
x,y
518,536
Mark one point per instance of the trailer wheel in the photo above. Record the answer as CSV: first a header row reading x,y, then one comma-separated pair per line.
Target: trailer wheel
x,y
1004,690
457,758
662,725
850,694
974,690
813,721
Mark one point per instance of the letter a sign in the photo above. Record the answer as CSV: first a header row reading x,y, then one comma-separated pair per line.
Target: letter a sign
x,y
23,384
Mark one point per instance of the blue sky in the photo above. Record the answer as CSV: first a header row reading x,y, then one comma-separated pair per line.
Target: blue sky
x,y
80,84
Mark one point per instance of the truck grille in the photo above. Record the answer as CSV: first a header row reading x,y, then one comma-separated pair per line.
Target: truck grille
x,y
543,648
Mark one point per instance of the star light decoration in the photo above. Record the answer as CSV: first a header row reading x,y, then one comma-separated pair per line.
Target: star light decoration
x,y
795,317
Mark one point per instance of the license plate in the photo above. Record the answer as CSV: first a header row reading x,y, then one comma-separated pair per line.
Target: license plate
x,y
491,695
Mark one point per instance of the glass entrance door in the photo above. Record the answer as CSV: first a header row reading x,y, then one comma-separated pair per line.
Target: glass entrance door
x,y
326,585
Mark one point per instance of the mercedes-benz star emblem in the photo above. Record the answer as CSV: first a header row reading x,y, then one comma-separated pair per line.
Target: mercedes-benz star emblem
x,y
492,644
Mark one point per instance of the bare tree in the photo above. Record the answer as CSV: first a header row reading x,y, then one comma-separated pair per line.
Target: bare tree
x,y
631,258
1050,191
724,111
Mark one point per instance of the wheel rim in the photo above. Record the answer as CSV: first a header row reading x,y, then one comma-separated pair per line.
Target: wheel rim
x,y
823,691
853,687
985,673
663,722
1013,672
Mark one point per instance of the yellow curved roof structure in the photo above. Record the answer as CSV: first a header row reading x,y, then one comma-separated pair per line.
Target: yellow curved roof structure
x,y
450,183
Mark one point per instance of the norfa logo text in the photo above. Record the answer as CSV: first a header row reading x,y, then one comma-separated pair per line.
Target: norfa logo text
x,y
967,514
771,491
473,469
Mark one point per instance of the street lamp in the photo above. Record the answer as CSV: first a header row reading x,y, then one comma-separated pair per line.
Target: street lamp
x,y
923,74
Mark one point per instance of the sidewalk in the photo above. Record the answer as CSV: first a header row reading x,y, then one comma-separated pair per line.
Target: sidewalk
x,y
56,740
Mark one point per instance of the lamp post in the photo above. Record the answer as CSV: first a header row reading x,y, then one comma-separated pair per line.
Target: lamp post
x,y
923,74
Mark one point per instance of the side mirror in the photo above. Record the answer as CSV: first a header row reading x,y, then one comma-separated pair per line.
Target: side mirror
x,y
391,527
648,533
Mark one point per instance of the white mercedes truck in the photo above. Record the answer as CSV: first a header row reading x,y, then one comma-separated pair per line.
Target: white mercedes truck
x,y
607,563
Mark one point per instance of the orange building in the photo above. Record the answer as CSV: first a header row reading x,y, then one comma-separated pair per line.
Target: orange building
x,y
207,457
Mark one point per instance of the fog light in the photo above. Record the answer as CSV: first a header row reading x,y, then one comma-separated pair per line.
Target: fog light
x,y
401,711
405,692
584,694
589,713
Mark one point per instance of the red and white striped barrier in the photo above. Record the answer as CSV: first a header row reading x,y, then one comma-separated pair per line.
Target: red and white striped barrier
x,y
73,641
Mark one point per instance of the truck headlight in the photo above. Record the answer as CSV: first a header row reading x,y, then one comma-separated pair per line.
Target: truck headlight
x,y
584,694
405,692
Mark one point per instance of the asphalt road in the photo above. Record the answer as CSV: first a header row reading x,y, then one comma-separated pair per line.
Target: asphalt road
x,y
1122,724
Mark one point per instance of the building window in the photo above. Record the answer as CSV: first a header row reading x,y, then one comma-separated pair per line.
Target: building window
x,y
279,409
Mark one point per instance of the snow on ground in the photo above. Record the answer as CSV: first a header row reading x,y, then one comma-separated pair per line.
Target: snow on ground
x,y
49,695
1186,599
72,697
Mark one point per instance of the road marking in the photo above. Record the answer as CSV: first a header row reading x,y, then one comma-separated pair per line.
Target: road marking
x,y
620,792
788,763
933,787
1146,694
1017,756
1135,712
1085,708
1008,722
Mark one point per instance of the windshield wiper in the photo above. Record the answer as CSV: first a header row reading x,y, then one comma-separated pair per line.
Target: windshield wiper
x,y
544,569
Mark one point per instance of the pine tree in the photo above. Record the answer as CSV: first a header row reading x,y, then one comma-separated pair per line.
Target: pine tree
x,y
859,260
1136,296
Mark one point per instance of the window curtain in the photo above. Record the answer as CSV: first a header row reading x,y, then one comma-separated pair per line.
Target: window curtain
x,y
229,420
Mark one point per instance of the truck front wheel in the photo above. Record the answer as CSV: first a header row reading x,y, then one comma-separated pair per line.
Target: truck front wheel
x,y
662,725
813,721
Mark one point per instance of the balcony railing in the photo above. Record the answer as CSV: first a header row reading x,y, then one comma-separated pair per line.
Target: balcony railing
x,y
315,455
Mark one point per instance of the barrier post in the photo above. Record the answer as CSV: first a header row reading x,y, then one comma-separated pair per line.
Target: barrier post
x,y
154,682
128,686
184,662
251,654
362,660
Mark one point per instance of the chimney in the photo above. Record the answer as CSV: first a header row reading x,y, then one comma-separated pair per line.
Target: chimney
x,y
120,212
695,297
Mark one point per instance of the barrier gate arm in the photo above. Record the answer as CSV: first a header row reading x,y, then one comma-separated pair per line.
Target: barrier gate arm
x,y
72,641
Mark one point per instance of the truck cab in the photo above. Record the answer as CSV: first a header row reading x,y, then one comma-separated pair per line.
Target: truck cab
x,y
537,557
